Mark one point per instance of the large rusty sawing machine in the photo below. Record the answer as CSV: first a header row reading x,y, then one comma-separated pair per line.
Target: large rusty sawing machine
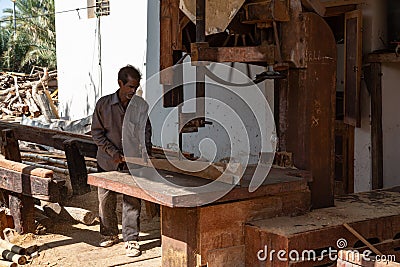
x,y
296,46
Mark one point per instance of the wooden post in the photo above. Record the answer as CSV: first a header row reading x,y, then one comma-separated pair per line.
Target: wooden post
x,y
23,212
376,126
76,167
179,229
21,207
9,146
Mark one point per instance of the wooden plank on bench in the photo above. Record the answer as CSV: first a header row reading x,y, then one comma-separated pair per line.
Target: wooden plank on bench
x,y
51,137
278,181
23,168
29,185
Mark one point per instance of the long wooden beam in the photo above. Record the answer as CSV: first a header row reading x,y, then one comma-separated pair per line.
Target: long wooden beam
x,y
29,185
315,5
201,52
55,138
335,3
226,173
51,137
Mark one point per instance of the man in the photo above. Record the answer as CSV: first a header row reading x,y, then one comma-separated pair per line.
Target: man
x,y
108,118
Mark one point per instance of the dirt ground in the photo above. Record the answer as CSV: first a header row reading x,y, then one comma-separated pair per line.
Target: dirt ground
x,y
75,244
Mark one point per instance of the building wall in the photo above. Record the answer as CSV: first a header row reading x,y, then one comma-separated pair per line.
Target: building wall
x,y
91,51
391,123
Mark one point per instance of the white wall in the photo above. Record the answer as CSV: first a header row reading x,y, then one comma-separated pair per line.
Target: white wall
x,y
123,41
391,123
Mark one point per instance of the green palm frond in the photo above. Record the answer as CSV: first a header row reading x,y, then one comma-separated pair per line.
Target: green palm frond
x,y
35,39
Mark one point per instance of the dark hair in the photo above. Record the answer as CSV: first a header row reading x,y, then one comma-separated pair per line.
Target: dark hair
x,y
127,72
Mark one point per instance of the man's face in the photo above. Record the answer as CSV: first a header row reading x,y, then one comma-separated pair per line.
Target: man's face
x,y
128,90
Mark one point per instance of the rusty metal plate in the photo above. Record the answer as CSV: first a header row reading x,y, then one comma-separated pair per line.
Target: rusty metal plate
x,y
219,13
266,11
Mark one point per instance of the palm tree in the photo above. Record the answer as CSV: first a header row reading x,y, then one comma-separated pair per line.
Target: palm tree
x,y
34,42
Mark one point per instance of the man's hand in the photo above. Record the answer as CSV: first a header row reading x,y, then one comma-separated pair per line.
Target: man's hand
x,y
118,158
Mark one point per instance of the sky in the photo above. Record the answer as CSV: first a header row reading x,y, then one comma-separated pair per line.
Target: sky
x,y
5,4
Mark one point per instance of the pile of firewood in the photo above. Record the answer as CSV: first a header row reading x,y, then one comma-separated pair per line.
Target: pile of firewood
x,y
31,95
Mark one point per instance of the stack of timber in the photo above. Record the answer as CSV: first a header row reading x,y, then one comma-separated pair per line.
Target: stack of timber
x,y
363,221
31,95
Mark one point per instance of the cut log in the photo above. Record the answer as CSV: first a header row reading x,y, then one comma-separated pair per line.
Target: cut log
x,y
11,256
58,212
52,106
81,215
45,106
12,247
7,264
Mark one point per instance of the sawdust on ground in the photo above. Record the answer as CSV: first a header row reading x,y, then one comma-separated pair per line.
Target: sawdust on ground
x,y
75,244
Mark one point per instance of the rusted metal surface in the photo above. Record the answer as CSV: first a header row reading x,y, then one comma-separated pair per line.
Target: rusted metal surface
x,y
314,5
218,13
293,37
266,11
201,52
170,38
309,108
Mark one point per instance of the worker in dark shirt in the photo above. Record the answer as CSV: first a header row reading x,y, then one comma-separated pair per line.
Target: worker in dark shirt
x,y
108,119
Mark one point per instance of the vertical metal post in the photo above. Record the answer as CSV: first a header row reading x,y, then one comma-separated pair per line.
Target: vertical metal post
x,y
200,74
15,21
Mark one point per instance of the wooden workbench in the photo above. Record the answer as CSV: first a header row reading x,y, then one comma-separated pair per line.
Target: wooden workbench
x,y
212,234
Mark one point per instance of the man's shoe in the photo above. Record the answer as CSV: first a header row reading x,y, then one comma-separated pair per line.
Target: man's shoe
x,y
132,248
108,241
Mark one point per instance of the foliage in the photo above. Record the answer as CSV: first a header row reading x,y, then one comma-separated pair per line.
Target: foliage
x,y
34,41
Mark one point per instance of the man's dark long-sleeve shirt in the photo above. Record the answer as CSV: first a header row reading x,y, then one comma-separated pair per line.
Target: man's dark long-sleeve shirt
x,y
108,119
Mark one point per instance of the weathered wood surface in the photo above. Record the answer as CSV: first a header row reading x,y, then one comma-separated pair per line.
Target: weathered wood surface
x,y
26,169
227,173
333,3
383,57
277,181
23,212
233,54
51,138
180,236
314,5
376,125
76,167
58,212
56,139
308,113
375,215
216,231
28,185
9,145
